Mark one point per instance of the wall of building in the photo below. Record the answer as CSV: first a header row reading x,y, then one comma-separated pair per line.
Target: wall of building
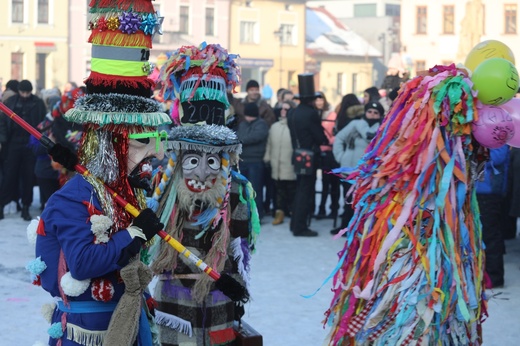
x,y
30,38
173,38
345,8
434,47
330,67
265,59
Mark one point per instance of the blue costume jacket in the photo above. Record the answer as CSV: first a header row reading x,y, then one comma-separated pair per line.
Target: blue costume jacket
x,y
67,230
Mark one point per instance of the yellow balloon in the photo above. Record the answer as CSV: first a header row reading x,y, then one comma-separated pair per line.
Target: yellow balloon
x,y
487,50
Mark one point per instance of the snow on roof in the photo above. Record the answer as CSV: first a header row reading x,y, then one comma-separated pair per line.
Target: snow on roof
x,y
326,35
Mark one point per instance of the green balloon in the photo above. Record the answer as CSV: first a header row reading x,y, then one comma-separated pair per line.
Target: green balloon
x,y
496,81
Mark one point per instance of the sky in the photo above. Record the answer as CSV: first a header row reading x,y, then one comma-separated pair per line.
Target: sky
x,y
283,270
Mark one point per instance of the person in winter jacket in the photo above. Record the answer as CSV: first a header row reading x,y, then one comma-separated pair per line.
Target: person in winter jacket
x,y
491,189
19,160
330,183
253,134
278,154
350,145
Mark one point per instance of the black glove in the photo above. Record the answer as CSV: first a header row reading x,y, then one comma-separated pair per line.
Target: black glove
x,y
64,156
370,135
130,251
148,222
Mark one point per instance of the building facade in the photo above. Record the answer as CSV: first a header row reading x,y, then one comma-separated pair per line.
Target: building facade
x,y
377,21
269,36
343,62
34,42
191,22
444,31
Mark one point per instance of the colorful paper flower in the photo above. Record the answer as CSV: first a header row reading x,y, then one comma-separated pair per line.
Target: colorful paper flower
x,y
148,23
102,24
129,22
113,23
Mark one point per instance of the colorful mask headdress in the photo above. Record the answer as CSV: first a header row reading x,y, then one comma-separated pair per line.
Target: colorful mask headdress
x,y
199,79
118,102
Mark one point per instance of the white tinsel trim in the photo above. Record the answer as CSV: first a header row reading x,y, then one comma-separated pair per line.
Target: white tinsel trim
x,y
47,311
238,255
101,227
85,337
73,287
31,230
173,322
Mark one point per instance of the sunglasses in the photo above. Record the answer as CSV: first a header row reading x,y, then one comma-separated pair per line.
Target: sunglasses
x,y
159,136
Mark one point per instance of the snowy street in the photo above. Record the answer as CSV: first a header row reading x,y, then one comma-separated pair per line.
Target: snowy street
x,y
283,269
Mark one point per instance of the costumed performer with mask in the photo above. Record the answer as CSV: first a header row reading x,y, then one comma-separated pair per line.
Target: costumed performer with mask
x,y
411,271
207,206
87,246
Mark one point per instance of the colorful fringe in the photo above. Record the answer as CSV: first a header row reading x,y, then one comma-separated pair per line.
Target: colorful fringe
x,y
411,271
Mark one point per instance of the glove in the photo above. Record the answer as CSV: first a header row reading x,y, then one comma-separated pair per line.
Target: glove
x,y
64,156
129,252
148,222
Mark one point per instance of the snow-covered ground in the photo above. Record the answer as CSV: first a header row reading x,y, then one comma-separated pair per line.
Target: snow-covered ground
x,y
283,269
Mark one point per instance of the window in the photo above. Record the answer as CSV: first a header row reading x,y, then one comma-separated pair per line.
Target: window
x,y
184,20
17,66
340,83
448,19
422,12
287,31
365,10
210,21
354,83
392,10
247,32
43,11
510,18
420,65
17,11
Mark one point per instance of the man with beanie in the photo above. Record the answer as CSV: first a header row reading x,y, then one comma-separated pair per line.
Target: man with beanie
x,y
253,95
253,133
19,159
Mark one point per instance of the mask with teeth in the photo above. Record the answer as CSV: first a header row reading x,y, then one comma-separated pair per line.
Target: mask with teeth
x,y
200,185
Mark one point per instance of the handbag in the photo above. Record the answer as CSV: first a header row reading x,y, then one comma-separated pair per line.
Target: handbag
x,y
302,159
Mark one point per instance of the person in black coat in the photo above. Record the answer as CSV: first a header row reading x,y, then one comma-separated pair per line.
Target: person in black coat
x,y
306,132
19,159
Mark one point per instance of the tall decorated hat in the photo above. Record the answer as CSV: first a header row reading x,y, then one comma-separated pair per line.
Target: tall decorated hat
x,y
118,103
199,79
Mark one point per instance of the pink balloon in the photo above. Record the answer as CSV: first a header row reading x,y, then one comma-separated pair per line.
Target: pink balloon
x,y
513,108
494,127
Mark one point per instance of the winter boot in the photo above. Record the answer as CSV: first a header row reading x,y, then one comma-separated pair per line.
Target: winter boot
x,y
25,213
278,217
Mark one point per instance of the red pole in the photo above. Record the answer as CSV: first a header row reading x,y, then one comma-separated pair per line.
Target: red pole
x,y
47,143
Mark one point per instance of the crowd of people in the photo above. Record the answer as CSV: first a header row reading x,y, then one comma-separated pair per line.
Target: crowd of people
x,y
24,163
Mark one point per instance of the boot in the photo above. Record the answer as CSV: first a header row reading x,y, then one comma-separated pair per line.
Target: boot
x,y
278,217
25,213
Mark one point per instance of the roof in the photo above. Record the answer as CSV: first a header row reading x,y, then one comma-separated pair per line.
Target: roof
x,y
326,35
